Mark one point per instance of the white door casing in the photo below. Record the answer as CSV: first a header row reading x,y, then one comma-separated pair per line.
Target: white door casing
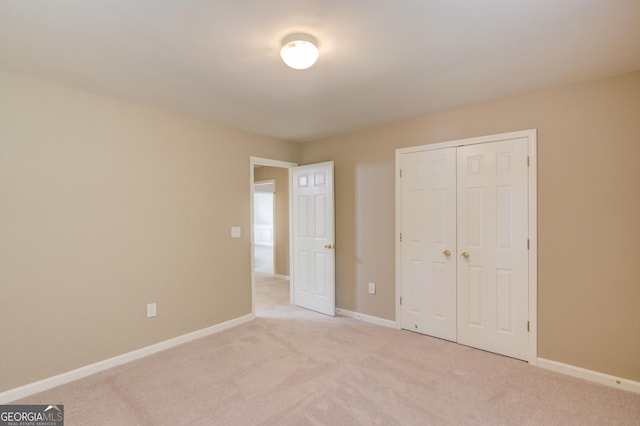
x,y
496,224
313,220
492,236
428,250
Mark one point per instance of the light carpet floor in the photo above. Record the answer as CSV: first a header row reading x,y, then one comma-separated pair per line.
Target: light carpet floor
x,y
295,367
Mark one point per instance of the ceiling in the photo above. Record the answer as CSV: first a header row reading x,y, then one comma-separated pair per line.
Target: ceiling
x,y
380,60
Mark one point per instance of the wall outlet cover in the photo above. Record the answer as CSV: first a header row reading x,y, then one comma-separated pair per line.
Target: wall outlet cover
x,y
151,310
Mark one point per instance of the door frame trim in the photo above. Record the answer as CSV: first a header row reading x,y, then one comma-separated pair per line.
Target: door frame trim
x,y
258,161
531,135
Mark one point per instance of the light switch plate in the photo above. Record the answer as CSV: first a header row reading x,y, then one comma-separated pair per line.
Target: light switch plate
x,y
372,288
151,310
235,232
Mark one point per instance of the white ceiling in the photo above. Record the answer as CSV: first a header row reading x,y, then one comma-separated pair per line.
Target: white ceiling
x,y
380,60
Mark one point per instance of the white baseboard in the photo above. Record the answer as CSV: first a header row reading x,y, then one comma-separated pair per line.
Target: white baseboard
x,y
590,375
366,318
60,379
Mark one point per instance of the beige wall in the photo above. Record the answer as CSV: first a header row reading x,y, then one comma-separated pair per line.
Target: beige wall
x,y
104,207
589,213
281,199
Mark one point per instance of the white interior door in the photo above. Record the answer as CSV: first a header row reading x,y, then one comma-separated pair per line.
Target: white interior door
x,y
313,218
492,247
428,257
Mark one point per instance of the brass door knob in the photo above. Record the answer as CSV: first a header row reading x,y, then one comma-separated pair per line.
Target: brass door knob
x,y
329,246
446,253
465,255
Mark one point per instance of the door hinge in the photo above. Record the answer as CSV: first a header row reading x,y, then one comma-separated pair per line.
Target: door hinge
x,y
528,326
401,237
401,300
528,244
400,172
527,161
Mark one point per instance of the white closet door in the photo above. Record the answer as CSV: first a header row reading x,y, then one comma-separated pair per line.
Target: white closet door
x,y
428,252
492,247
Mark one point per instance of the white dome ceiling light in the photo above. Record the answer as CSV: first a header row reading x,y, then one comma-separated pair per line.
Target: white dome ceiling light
x,y
299,51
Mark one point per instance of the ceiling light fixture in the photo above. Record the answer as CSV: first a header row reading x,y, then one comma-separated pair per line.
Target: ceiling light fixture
x,y
299,51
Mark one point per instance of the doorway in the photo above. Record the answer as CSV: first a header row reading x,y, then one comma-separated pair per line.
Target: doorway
x,y
309,255
270,230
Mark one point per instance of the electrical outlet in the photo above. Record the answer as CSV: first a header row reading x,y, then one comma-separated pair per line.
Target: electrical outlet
x,y
151,310
372,288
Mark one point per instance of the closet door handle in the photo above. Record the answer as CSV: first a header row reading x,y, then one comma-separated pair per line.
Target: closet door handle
x,y
465,255
446,253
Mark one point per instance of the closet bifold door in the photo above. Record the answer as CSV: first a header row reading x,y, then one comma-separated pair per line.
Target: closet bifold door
x,y
492,229
428,251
